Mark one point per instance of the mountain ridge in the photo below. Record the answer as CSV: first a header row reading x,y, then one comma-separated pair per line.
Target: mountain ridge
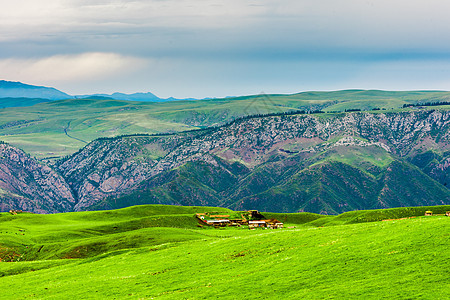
x,y
15,89
327,163
21,91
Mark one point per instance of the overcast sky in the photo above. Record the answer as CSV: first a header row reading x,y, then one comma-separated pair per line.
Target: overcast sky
x,y
214,48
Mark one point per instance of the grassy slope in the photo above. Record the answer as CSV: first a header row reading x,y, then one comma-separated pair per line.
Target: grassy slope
x,y
42,134
308,180
71,235
20,102
334,181
40,130
400,259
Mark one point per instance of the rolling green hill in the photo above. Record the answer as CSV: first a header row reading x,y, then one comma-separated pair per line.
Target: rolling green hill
x,y
159,252
20,102
59,128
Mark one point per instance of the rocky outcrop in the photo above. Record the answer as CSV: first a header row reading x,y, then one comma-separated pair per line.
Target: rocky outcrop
x,y
114,167
30,186
253,162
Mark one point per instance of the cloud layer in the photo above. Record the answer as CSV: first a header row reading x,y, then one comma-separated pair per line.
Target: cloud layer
x,y
202,48
67,68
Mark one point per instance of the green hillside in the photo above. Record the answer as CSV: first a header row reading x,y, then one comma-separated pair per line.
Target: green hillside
x,y
147,252
59,128
20,102
331,182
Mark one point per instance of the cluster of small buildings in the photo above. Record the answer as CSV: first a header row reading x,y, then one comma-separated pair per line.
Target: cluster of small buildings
x,y
252,219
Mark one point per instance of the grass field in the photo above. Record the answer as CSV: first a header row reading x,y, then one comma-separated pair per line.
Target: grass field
x,y
159,252
59,128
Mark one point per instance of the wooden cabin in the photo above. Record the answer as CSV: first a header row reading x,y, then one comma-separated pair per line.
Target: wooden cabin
x,y
217,223
274,224
270,223
256,224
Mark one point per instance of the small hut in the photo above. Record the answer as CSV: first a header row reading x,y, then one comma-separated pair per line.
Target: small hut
x,y
270,223
274,224
256,224
218,223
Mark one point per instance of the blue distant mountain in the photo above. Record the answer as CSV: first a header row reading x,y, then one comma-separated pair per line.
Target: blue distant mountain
x,y
11,89
145,97
122,96
20,94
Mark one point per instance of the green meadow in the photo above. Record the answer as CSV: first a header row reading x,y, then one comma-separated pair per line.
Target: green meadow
x,y
58,128
161,252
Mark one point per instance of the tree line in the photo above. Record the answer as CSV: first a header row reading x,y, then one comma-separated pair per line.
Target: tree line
x,y
437,103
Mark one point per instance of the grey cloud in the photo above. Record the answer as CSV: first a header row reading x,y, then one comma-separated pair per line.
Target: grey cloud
x,y
306,43
282,24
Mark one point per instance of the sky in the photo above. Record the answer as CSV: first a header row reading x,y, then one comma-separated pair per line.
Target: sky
x,y
217,48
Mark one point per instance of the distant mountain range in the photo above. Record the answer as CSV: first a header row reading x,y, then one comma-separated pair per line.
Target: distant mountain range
x,y
14,94
147,97
10,91
121,96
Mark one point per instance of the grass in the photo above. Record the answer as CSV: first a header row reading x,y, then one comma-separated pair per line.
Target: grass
x,y
157,251
360,157
19,102
39,129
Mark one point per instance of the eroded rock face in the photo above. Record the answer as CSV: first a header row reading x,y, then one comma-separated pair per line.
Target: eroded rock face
x,y
108,167
274,148
30,186
112,167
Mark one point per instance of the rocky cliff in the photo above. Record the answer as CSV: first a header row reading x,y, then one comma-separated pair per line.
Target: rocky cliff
x,y
326,163
27,185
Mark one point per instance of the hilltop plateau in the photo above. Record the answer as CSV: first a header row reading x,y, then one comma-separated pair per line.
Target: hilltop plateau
x,y
54,129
